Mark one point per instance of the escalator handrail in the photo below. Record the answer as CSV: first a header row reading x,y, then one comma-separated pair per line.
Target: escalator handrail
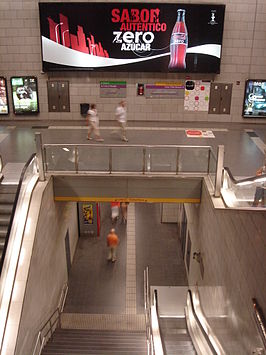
x,y
157,312
250,179
14,208
260,320
200,325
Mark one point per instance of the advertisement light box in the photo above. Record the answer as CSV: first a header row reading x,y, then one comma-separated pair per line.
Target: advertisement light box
x,y
25,95
255,99
3,97
154,37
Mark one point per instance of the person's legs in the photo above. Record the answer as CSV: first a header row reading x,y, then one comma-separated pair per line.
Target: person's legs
x,y
96,131
90,131
123,131
259,194
110,254
113,254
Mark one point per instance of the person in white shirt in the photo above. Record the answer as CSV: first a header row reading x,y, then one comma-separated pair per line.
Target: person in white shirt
x,y
121,116
93,122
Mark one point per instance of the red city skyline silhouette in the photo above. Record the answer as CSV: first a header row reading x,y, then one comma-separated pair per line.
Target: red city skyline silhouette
x,y
59,33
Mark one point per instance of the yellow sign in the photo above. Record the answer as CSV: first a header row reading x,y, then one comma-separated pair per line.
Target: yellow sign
x,y
87,211
129,199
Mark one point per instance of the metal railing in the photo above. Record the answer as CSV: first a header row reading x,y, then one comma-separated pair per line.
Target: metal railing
x,y
31,160
47,330
147,310
190,306
260,321
129,159
239,193
14,239
154,342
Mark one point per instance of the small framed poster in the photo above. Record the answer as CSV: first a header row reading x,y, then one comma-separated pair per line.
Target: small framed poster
x,y
4,108
25,95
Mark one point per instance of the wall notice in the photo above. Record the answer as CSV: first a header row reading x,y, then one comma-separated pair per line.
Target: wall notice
x,y
116,89
197,95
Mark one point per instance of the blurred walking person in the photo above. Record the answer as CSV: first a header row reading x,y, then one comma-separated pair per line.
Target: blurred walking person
x,y
121,116
124,206
93,122
112,243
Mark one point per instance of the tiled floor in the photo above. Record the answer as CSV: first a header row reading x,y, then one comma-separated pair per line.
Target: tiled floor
x,y
98,286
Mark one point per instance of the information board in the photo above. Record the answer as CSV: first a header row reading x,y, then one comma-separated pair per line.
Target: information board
x,y
113,89
164,91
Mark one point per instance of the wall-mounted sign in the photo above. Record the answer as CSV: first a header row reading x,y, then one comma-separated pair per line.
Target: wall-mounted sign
x,y
87,212
255,99
197,96
25,95
198,133
4,110
164,91
154,37
113,89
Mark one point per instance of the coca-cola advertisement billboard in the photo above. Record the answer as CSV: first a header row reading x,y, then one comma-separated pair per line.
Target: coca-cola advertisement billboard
x,y
132,37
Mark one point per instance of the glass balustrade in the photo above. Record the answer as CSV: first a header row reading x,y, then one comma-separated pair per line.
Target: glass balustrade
x,y
129,159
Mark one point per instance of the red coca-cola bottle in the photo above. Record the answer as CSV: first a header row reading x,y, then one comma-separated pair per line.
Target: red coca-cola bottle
x,y
178,42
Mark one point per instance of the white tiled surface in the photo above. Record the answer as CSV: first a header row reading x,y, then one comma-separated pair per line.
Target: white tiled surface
x,y
131,306
243,56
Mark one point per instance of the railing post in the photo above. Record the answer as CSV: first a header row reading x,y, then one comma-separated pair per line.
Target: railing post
x,y
76,160
177,160
144,161
39,155
209,159
219,170
110,160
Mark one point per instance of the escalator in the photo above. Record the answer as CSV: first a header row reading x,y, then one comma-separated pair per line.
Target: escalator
x,y
175,324
176,336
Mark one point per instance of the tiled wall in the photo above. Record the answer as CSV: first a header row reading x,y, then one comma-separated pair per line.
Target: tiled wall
x,y
233,249
243,56
48,267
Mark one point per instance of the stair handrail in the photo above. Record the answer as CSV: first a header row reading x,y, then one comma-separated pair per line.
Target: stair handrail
x,y
244,181
203,331
260,321
8,268
14,208
147,309
42,336
1,164
159,347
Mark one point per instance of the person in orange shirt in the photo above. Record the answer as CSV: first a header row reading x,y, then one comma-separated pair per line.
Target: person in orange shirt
x,y
112,243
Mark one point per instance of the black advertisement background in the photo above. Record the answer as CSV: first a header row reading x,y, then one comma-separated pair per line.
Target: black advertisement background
x,y
95,18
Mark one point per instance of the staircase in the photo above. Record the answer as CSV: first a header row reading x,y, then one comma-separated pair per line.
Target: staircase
x,y
97,342
7,197
176,337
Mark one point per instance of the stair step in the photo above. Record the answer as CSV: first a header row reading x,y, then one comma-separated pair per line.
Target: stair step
x,y
8,189
6,208
2,243
3,231
4,219
7,198
95,352
105,342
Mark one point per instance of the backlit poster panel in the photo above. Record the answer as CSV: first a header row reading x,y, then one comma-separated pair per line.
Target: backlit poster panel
x,y
156,37
3,97
255,99
25,95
